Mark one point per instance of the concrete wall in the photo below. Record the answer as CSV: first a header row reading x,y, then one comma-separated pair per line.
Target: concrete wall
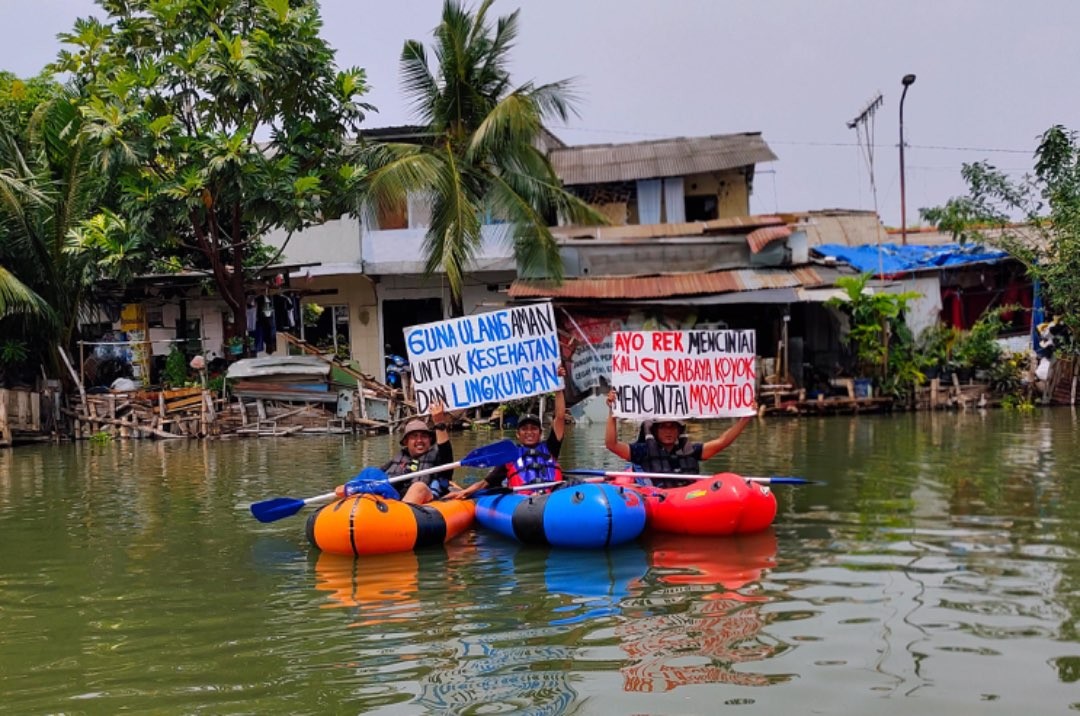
x,y
358,293
922,312
729,187
336,241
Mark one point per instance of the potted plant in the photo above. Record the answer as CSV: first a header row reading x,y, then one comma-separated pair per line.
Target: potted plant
x,y
874,318
935,351
236,345
978,351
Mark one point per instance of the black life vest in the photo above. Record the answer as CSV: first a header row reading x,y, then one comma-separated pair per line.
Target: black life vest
x,y
679,460
403,464
535,464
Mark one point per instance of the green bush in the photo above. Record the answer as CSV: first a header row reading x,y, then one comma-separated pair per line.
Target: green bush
x,y
176,369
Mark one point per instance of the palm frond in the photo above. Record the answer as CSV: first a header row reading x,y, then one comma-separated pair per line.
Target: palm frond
x,y
419,84
554,99
396,170
513,122
454,235
535,248
18,298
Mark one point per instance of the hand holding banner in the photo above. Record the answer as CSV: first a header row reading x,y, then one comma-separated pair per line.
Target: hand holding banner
x,y
487,358
683,374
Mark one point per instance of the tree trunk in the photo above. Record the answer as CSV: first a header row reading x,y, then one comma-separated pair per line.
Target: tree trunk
x,y
457,305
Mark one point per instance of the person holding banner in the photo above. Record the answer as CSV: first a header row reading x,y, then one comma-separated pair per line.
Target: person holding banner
x,y
663,446
538,461
423,447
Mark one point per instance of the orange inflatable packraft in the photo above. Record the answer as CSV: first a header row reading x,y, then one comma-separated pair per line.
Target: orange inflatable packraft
x,y
367,524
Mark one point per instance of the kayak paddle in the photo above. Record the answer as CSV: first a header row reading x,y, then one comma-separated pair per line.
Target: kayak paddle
x,y
775,480
492,455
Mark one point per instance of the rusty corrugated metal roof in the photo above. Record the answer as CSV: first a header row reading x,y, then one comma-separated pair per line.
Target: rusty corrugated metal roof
x,y
678,156
687,284
760,238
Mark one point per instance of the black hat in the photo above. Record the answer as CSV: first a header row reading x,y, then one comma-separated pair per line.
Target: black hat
x,y
530,418
656,423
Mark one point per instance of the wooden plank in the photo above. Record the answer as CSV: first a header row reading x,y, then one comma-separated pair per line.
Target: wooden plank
x,y
208,398
5,429
184,403
109,421
74,375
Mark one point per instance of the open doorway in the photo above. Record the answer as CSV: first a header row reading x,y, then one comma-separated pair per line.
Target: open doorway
x,y
399,314
328,330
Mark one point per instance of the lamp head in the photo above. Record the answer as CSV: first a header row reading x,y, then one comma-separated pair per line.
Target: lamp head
x,y
908,80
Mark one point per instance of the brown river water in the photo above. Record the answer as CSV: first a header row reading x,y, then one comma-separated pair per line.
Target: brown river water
x,y
935,572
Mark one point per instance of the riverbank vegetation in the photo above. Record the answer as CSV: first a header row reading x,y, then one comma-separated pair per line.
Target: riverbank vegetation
x,y
1036,219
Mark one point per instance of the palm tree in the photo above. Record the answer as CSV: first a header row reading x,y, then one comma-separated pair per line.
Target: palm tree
x,y
46,188
481,156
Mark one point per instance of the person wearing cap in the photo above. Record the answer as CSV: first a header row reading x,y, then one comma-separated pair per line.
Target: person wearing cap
x,y
421,448
538,460
664,447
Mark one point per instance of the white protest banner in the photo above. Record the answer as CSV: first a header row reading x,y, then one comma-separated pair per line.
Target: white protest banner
x,y
683,374
591,363
487,358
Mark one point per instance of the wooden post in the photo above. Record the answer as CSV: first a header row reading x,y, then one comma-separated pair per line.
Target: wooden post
x,y
5,429
74,376
361,399
35,412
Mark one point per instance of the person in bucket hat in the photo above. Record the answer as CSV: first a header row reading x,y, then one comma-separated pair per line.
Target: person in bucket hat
x,y
423,447
662,446
538,460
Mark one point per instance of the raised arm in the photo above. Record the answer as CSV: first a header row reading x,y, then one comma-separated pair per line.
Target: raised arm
x,y
442,427
558,421
716,445
611,433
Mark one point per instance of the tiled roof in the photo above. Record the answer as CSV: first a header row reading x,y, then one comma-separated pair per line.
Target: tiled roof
x,y
679,156
686,284
760,238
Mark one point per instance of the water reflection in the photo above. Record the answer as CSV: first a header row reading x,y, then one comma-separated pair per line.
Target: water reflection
x,y
675,640
940,562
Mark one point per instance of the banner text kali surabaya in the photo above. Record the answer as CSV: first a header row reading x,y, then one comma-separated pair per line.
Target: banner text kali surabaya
x,y
685,370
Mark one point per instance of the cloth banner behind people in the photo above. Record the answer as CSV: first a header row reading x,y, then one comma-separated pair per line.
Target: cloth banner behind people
x,y
487,358
683,374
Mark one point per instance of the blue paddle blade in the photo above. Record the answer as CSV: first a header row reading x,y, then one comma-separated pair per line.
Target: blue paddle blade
x,y
790,481
492,455
370,474
276,509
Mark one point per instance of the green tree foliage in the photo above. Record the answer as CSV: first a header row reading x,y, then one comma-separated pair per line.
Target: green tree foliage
x,y
1047,206
875,318
47,186
19,98
223,120
481,158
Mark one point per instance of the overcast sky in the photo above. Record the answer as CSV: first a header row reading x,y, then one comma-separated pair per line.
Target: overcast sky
x,y
992,75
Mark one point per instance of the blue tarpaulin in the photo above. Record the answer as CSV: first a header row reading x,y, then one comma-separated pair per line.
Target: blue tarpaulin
x,y
897,259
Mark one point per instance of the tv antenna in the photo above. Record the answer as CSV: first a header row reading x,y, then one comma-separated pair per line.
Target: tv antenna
x,y
863,124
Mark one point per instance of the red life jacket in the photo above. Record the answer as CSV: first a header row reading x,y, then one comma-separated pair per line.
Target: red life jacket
x,y
535,464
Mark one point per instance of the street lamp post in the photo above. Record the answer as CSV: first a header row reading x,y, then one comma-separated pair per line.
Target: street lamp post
x,y
907,81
